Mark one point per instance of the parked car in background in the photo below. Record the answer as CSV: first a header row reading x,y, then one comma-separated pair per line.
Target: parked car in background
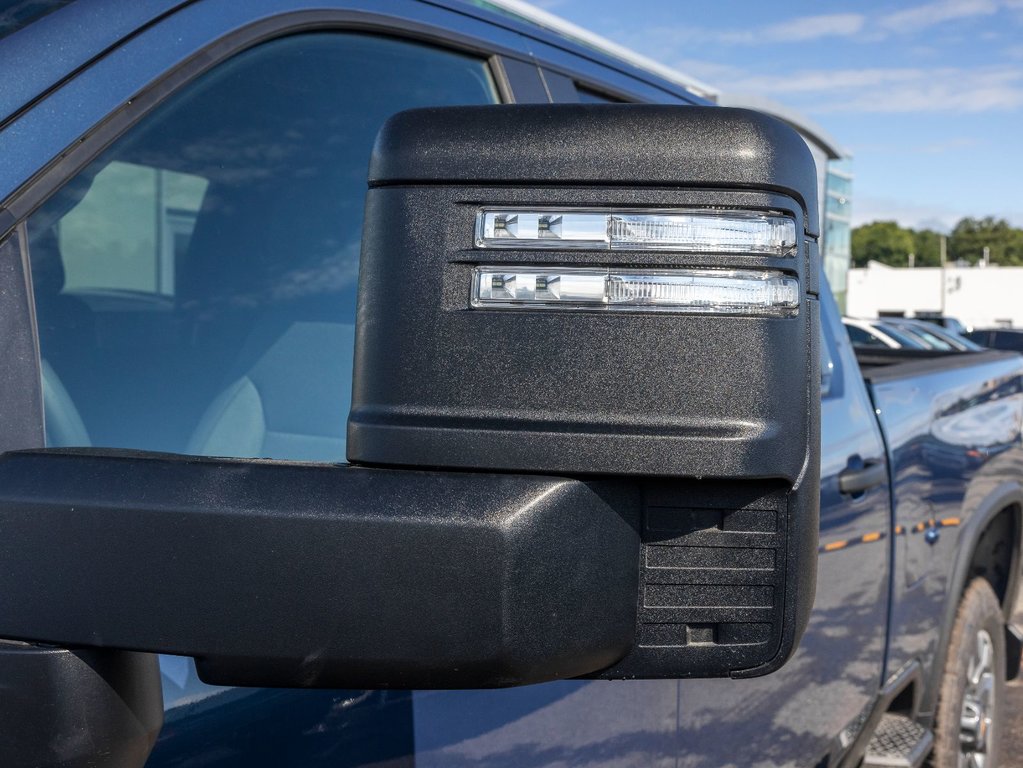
x,y
952,323
934,336
998,338
876,333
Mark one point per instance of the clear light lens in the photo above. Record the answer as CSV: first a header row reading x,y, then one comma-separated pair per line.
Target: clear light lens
x,y
736,232
693,231
543,229
688,291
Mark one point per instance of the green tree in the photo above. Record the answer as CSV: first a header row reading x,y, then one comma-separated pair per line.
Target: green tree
x,y
927,247
971,236
883,241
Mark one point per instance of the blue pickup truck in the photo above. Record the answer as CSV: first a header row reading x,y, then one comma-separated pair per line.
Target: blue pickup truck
x,y
549,450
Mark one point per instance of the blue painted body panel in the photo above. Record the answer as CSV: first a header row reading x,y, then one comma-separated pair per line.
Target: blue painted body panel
x,y
569,722
953,442
60,43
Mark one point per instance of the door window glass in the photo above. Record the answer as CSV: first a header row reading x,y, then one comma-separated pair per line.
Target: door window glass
x,y
588,96
195,285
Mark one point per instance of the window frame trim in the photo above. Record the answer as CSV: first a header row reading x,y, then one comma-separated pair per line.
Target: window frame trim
x,y
22,413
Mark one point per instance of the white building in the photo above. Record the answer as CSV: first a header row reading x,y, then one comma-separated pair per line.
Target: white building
x,y
977,296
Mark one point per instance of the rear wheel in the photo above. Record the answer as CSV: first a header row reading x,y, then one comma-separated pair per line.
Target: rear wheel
x,y
968,726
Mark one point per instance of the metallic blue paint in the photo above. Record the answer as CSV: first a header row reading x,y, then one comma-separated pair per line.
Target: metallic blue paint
x,y
66,40
209,726
954,438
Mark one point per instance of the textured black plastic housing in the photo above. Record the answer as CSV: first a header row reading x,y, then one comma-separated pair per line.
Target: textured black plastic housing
x,y
440,384
724,409
278,574
81,708
626,145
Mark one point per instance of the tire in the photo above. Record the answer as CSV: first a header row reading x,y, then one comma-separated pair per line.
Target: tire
x,y
968,727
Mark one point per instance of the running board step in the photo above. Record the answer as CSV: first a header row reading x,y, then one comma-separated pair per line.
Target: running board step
x,y
898,742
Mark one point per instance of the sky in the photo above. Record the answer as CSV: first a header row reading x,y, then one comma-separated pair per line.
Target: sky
x,y
927,96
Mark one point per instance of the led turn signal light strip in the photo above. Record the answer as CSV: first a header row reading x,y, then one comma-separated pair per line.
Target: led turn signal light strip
x,y
685,290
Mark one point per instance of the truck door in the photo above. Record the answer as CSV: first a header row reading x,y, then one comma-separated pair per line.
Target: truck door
x,y
195,293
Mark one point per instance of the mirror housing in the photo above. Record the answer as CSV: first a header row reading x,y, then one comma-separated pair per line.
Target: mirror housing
x,y
719,402
668,393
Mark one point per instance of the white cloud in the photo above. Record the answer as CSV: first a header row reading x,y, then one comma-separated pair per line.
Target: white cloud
x,y
929,14
867,209
948,145
899,149
950,90
889,90
800,29
825,81
797,29
664,42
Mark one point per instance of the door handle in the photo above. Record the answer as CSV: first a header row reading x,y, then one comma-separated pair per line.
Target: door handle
x,y
863,478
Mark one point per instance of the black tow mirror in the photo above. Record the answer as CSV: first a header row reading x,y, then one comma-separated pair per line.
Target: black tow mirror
x,y
596,327
620,291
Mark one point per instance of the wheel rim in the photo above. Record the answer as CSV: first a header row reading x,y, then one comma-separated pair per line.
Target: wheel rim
x,y
978,713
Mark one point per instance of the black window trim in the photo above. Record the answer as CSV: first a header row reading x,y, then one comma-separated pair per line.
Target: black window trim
x,y
602,92
619,73
581,80
831,384
21,395
513,82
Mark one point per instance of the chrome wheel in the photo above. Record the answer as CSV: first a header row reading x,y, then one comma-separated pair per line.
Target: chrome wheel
x,y
978,712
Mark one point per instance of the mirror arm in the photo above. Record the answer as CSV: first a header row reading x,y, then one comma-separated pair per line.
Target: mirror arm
x,y
78,708
280,574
